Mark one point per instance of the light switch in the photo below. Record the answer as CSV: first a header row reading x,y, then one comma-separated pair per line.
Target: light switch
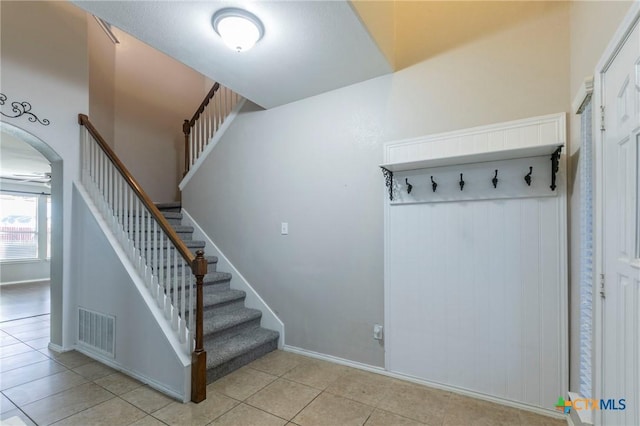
x,y
284,230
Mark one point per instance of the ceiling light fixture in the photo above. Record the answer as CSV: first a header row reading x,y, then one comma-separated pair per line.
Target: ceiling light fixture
x,y
239,29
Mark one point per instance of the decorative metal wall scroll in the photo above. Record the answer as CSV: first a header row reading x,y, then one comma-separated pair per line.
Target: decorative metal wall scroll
x,y
388,181
22,108
555,166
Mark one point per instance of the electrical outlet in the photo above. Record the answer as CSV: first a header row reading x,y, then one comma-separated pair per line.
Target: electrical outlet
x,y
377,331
284,228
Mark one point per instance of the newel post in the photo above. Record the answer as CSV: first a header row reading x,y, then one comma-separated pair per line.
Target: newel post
x,y
199,356
186,129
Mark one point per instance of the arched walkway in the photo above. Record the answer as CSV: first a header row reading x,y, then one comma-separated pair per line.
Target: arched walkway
x,y
56,222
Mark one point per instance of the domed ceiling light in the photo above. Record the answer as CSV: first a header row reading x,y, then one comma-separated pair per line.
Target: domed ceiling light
x,y
239,29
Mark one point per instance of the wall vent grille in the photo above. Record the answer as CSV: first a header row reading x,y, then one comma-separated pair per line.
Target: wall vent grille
x,y
97,331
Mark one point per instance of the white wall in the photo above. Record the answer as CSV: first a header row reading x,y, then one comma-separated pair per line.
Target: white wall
x,y
141,347
44,61
592,25
154,94
313,164
102,74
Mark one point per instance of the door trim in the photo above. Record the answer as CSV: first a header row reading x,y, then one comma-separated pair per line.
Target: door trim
x,y
617,41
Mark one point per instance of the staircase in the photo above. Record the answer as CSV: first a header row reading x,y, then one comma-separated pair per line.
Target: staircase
x,y
232,333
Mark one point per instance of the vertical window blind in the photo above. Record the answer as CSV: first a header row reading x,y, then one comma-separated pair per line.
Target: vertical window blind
x,y
586,251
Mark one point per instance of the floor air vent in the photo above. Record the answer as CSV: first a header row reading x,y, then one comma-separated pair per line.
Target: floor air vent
x,y
97,331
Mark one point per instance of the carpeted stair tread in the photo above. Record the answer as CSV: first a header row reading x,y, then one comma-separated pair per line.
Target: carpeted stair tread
x,y
169,205
216,277
214,321
220,351
192,244
214,298
211,260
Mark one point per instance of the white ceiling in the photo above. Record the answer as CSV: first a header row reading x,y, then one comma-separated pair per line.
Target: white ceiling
x,y
309,47
18,158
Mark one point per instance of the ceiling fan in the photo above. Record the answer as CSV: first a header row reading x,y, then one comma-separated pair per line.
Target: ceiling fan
x,y
37,177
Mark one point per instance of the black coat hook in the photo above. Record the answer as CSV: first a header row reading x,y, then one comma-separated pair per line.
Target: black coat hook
x,y
409,186
461,182
527,177
434,185
495,180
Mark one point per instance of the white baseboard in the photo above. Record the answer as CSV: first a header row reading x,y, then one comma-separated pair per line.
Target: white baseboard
x,y
57,348
212,143
382,371
140,377
253,300
38,280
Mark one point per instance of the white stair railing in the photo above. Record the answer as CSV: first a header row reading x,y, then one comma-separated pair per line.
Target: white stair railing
x,y
206,121
161,259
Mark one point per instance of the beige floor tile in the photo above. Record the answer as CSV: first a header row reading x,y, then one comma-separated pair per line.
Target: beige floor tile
x,y
245,415
361,386
64,404
277,362
147,399
70,359
39,344
328,409
10,350
242,383
29,320
532,419
94,370
31,334
15,418
283,398
6,340
18,328
114,412
384,418
416,402
118,383
20,360
316,373
5,404
475,412
32,391
203,413
11,378
148,421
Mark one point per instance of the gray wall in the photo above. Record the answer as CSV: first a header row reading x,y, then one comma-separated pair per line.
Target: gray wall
x,y
313,164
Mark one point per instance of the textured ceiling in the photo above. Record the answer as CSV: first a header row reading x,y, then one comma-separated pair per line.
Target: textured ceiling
x,y
308,48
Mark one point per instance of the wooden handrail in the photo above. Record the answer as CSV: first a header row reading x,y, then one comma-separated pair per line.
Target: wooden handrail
x,y
83,120
188,124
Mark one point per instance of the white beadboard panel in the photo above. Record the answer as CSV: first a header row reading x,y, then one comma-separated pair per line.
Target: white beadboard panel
x,y
474,297
520,133
476,280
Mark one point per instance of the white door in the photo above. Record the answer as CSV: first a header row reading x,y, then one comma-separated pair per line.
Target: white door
x,y
620,304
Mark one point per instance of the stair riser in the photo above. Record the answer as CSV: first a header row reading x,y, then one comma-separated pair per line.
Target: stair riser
x,y
214,374
184,236
225,308
237,328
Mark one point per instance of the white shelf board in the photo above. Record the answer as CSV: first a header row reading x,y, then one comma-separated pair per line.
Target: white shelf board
x,y
481,157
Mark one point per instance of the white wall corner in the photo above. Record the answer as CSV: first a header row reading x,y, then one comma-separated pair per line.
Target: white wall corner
x,y
253,300
212,143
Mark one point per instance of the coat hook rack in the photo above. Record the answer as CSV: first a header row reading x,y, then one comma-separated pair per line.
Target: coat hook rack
x,y
494,181
409,186
461,182
434,185
555,166
527,177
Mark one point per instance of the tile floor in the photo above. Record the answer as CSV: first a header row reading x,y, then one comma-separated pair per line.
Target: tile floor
x,y
41,387
24,300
